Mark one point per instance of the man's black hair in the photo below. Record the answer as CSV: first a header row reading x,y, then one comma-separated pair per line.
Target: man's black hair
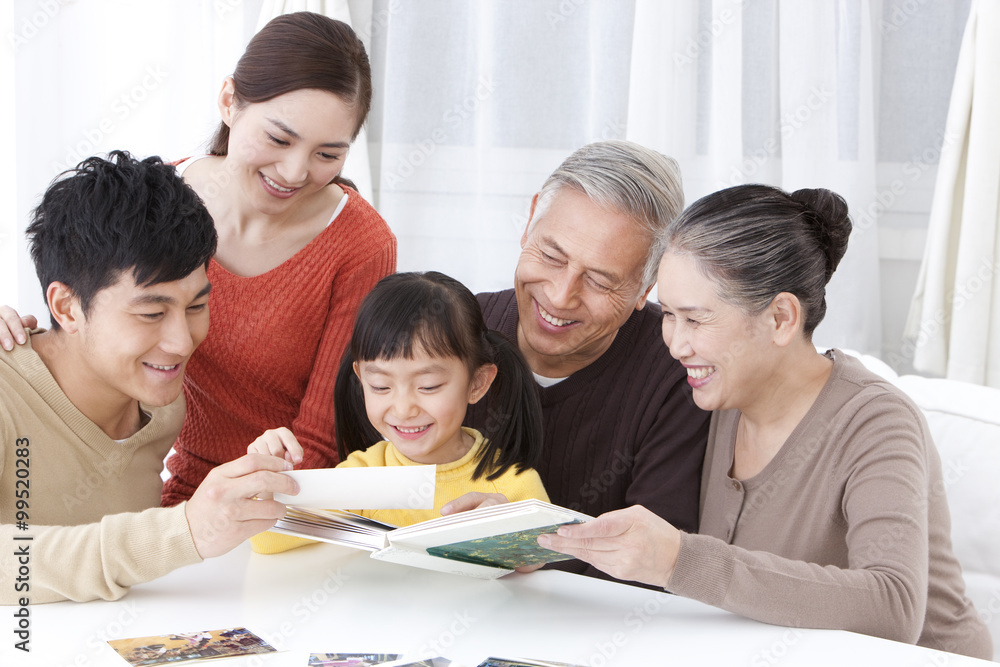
x,y
105,217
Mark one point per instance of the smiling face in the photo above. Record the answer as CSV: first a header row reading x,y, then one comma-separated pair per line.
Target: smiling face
x,y
136,341
288,148
578,279
724,351
419,404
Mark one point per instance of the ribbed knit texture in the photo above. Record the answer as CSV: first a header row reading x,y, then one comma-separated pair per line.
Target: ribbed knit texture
x,y
451,481
846,528
87,493
272,351
623,431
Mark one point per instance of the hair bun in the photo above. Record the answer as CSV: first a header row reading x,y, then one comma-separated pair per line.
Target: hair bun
x,y
830,220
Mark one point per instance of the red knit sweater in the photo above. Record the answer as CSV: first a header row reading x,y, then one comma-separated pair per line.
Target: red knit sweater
x,y
272,351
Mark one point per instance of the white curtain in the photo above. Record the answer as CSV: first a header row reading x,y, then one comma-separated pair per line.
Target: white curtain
x,y
475,103
100,75
955,315
778,93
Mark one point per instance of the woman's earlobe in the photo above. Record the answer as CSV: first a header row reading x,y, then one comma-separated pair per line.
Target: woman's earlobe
x,y
227,100
786,309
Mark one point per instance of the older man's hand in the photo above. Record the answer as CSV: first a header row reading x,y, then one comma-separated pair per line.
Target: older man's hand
x,y
632,544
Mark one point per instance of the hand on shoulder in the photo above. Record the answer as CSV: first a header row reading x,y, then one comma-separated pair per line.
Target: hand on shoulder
x,y
14,327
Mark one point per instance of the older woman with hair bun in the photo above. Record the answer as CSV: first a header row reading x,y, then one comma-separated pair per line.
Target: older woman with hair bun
x,y
821,498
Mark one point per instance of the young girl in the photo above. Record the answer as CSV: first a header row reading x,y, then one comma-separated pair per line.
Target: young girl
x,y
419,355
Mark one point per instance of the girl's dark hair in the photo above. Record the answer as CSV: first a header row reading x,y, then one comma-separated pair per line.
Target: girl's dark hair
x,y
757,241
103,218
297,51
436,313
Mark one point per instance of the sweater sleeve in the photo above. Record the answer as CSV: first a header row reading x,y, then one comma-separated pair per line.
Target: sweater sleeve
x,y
670,456
98,560
314,424
883,472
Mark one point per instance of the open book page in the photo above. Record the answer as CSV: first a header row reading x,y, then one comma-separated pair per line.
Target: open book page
x,y
486,522
503,536
337,526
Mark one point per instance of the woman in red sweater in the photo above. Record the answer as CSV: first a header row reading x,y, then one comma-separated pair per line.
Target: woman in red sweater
x,y
298,248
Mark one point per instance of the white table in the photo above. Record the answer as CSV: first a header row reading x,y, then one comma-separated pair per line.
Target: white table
x,y
326,598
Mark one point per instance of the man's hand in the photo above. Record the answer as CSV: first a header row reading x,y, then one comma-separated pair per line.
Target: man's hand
x,y
473,500
632,544
223,511
13,327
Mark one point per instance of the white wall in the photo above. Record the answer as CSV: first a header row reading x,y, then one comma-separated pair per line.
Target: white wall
x,y
9,222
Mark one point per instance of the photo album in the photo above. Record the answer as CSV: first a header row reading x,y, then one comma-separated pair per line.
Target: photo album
x,y
486,543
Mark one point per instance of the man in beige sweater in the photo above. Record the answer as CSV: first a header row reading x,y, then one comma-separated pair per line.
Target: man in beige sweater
x,y
89,408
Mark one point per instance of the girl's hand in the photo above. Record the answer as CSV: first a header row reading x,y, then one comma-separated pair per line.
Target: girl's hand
x,y
473,500
278,442
632,544
13,327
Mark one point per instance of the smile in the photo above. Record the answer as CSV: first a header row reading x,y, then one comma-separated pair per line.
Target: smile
x,y
276,186
162,368
412,430
553,320
700,372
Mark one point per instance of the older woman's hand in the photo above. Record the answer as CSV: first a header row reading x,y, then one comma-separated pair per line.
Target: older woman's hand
x,y
632,544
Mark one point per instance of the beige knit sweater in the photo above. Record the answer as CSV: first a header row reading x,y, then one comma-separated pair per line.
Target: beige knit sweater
x,y
90,504
846,528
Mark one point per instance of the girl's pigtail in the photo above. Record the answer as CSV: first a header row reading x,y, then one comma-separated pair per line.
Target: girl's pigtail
x,y
513,428
353,430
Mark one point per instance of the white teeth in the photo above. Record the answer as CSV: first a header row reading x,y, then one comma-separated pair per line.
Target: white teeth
x,y
162,368
701,372
417,429
276,186
553,320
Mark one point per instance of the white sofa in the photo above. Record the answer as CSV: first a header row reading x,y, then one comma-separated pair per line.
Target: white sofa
x,y
965,422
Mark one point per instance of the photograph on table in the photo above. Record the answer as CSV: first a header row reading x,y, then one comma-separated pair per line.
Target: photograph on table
x,y
183,646
351,659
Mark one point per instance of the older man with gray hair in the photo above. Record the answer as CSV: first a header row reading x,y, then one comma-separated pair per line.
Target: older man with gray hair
x,y
621,428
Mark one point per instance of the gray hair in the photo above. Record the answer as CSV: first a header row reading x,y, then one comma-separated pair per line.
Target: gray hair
x,y
756,241
629,179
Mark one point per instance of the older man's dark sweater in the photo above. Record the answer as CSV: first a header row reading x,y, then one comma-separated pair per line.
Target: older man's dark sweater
x,y
623,431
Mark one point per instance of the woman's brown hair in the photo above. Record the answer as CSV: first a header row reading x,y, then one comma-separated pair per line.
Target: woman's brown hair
x,y
298,51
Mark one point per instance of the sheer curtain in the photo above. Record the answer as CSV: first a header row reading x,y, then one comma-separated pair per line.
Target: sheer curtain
x,y
955,316
95,76
477,102
778,93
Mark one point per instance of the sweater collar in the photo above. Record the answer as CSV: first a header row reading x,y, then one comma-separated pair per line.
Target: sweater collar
x,y
394,457
26,363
